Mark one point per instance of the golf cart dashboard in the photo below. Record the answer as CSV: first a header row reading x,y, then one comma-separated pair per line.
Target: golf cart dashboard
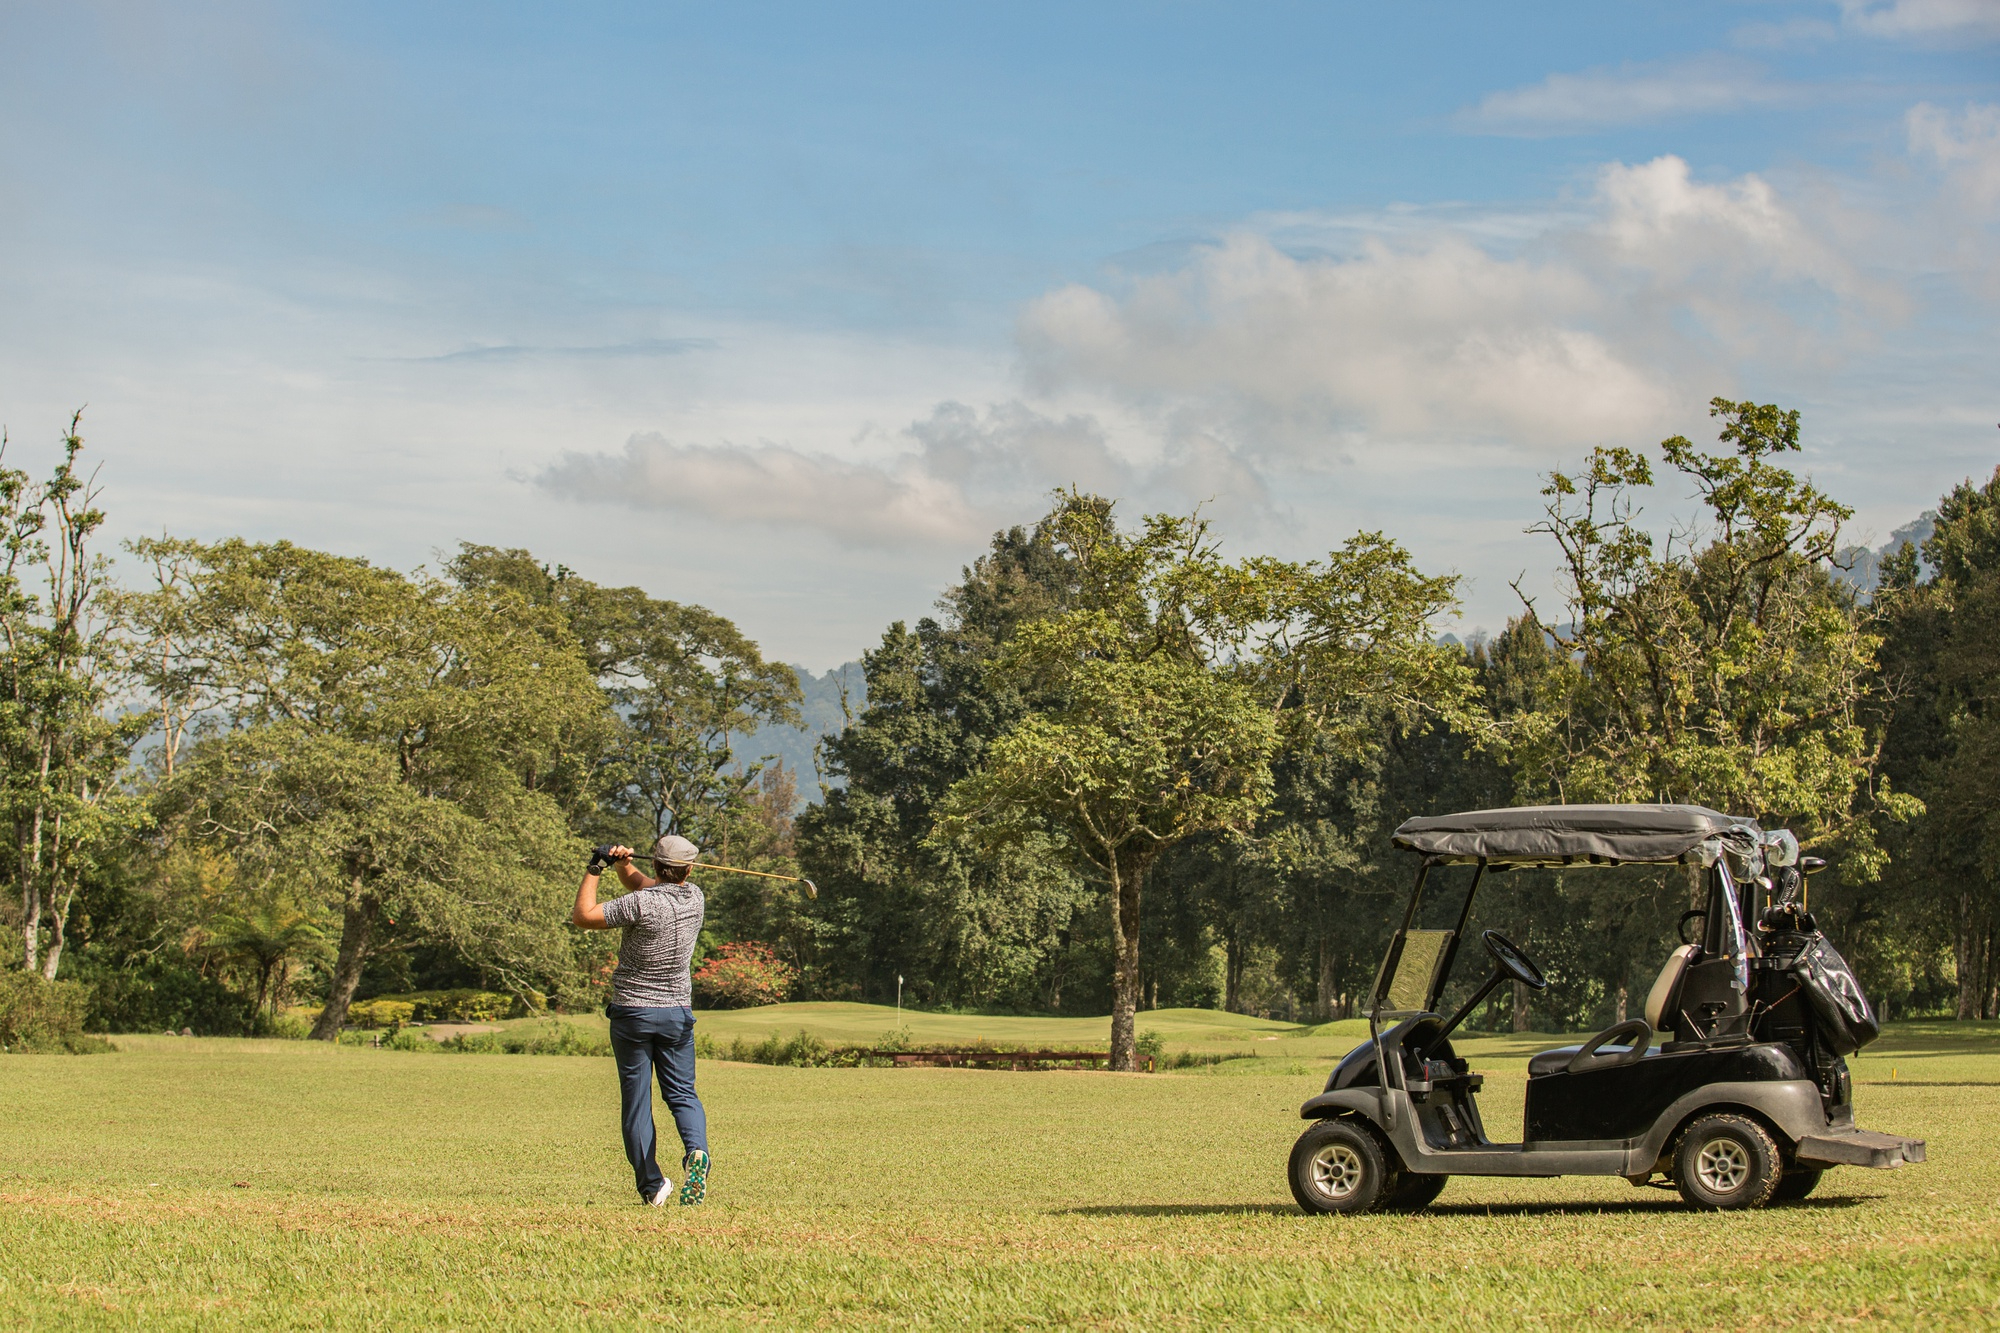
x,y
1438,1071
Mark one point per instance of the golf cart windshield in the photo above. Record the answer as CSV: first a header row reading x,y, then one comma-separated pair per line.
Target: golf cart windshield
x,y
1418,962
1567,835
1419,955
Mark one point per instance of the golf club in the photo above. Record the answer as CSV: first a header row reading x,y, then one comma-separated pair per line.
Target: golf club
x,y
812,889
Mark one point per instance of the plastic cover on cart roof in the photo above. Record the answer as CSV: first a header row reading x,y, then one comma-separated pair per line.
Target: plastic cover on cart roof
x,y
1558,835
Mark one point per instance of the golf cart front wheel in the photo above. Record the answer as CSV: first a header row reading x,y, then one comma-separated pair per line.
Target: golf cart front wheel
x,y
1342,1166
1727,1162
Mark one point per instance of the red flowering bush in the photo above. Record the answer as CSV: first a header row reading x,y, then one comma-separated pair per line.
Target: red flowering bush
x,y
741,975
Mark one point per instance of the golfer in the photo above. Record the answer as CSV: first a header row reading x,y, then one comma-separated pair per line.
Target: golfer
x,y
652,1005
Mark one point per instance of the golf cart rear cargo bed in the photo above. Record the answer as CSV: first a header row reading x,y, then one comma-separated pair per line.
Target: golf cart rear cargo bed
x,y
1860,1147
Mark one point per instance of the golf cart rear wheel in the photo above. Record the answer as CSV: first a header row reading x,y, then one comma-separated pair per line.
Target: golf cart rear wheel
x,y
1727,1162
1415,1193
1342,1166
1797,1182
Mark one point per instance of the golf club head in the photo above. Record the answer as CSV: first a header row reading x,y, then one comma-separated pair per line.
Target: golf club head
x,y
812,889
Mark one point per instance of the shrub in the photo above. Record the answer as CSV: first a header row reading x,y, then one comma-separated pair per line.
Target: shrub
x,y
742,974
551,1038
380,1013
408,1039
457,1006
1203,1059
802,1049
1150,1047
292,1024
44,1017
162,995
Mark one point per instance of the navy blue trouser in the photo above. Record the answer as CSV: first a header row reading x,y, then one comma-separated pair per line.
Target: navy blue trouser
x,y
645,1041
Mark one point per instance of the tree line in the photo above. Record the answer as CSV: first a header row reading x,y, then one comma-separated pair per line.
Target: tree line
x,y
1116,769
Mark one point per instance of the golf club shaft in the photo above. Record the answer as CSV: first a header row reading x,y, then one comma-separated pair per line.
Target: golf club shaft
x,y
812,889
761,874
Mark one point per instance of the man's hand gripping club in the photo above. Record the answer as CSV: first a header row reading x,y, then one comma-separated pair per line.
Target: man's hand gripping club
x,y
587,913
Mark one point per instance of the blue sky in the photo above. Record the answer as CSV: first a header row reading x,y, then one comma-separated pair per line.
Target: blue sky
x,y
782,308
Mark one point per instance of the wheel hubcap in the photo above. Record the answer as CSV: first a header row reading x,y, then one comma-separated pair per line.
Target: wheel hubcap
x,y
1723,1166
1336,1170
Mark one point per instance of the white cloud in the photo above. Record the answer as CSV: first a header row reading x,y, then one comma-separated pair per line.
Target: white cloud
x,y
1015,451
1965,146
961,473
1922,18
1628,95
1438,335
1640,301
770,485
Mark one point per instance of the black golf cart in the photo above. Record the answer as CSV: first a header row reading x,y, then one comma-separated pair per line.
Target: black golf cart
x,y
1746,1104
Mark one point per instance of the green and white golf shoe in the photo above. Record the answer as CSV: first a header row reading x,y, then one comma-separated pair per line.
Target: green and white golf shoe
x,y
696,1189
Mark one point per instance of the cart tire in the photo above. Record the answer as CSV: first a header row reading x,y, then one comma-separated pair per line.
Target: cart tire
x,y
1415,1193
1796,1183
1342,1166
1726,1162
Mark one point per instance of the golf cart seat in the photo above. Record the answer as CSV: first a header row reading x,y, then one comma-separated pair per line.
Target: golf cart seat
x,y
1660,999
1600,1052
1558,1060
1659,1013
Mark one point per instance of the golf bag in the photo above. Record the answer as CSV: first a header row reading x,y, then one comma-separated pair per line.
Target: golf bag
x,y
1845,1021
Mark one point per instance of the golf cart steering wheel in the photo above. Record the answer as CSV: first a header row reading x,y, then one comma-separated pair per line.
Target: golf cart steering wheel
x,y
1512,961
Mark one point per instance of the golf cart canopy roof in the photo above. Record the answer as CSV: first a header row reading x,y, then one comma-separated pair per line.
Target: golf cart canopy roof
x,y
1561,835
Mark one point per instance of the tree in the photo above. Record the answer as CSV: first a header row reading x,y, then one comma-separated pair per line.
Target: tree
x,y
1170,683
965,926
268,936
681,681
63,756
1941,619
1721,665
397,745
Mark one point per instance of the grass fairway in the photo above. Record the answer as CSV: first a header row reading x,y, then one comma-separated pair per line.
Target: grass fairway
x,y
185,1182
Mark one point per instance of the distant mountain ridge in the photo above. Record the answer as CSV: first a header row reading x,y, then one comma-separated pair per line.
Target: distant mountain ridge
x,y
1861,569
829,702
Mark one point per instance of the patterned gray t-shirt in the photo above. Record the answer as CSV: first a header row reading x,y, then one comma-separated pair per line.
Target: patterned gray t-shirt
x,y
661,924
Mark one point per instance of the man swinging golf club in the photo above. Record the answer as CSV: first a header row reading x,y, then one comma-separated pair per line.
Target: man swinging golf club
x,y
652,1005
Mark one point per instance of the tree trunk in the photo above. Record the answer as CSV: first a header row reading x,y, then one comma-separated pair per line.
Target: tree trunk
x,y
357,932
1970,950
1125,886
1990,970
59,920
1323,996
1624,998
53,958
1232,973
31,918
30,864
1520,1007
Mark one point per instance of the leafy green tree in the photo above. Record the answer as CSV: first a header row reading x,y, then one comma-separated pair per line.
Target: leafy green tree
x,y
681,680
1720,665
61,754
1172,680
398,746
964,926
269,937
1941,620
